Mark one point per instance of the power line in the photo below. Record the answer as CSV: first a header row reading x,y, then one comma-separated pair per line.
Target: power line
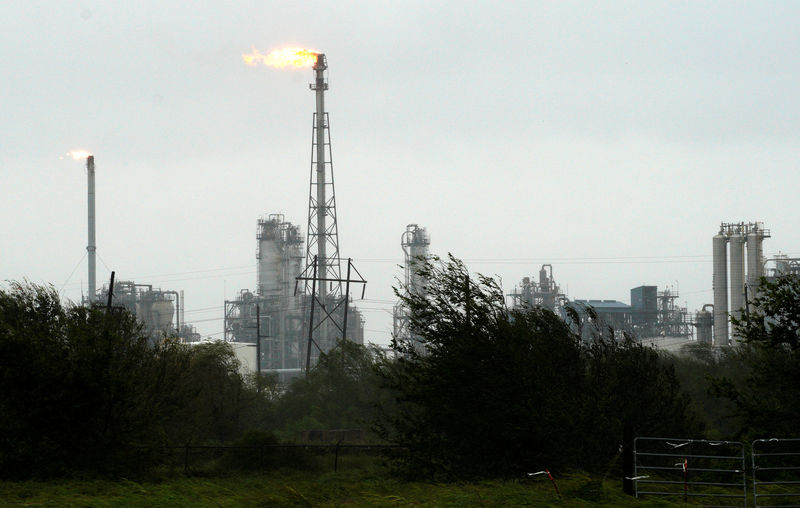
x,y
204,309
72,273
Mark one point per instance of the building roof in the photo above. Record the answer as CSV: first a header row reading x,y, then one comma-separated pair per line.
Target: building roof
x,y
602,304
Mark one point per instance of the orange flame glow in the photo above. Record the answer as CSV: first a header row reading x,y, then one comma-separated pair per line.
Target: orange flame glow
x,y
78,154
287,57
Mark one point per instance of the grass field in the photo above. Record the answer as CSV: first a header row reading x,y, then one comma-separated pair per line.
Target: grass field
x,y
329,489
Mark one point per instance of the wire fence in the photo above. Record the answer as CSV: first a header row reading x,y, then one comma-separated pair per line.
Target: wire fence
x,y
196,459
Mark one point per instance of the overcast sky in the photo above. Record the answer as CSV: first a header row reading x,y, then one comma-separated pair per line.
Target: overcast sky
x,y
609,139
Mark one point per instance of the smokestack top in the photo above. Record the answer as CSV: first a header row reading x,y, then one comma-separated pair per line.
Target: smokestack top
x,y
322,62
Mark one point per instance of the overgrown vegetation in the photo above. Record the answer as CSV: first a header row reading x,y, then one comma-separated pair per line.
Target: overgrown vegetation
x,y
482,391
84,390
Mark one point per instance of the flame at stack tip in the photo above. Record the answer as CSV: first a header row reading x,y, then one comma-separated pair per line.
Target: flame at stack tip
x,y
79,154
287,57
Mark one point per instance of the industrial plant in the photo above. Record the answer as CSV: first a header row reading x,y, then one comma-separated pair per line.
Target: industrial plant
x,y
302,304
651,316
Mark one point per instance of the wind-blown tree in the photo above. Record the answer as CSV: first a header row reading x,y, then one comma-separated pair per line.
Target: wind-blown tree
x,y
81,388
498,392
70,383
632,390
341,391
696,368
493,391
766,387
201,393
774,319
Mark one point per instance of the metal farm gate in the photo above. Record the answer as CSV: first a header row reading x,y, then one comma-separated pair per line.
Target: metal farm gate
x,y
776,465
707,473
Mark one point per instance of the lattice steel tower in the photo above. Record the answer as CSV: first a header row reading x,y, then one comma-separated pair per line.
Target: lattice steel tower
x,y
323,232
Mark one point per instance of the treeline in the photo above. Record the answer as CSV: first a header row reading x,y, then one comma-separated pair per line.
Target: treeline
x,y
83,390
480,391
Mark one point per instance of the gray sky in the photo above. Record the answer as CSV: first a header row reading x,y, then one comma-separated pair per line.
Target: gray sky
x,y
609,139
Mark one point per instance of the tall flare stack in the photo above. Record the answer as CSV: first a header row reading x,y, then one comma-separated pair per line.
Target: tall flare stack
x,y
319,88
91,248
323,234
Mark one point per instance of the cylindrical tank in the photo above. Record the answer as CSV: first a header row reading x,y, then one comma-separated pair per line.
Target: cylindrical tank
x,y
737,274
720,284
269,257
161,313
755,263
704,321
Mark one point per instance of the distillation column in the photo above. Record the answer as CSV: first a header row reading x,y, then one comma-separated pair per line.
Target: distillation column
x,y
755,261
737,240
720,284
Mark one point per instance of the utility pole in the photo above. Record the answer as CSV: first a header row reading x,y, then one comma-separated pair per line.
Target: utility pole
x,y
110,293
258,348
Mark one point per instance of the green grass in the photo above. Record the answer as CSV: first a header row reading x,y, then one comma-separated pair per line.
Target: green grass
x,y
305,489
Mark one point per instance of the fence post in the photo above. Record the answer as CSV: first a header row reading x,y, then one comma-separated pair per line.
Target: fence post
x,y
627,459
186,460
336,459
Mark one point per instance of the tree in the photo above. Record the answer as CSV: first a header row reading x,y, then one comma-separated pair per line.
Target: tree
x,y
340,392
497,392
696,368
632,390
492,391
766,387
774,318
70,383
82,389
201,393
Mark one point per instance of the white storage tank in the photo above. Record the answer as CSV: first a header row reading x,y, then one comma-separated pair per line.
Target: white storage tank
x,y
720,285
737,274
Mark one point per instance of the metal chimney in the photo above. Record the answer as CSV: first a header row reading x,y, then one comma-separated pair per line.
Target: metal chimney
x,y
91,248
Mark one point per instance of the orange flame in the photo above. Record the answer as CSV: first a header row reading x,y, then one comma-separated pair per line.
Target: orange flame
x,y
78,154
287,57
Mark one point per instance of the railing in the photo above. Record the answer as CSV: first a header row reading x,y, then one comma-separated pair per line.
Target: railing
x,y
696,469
776,467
